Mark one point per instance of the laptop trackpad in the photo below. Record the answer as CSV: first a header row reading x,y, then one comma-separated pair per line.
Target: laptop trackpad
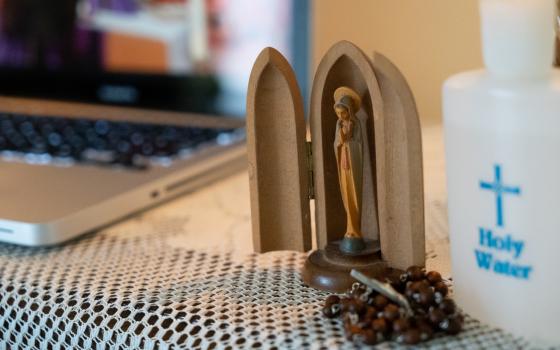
x,y
40,194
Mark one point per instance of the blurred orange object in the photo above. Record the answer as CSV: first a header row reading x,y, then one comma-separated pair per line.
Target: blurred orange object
x,y
126,53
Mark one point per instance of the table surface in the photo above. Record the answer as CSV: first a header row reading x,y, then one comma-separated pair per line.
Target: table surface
x,y
183,275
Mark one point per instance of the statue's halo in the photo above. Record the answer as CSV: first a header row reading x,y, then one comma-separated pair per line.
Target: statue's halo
x,y
346,91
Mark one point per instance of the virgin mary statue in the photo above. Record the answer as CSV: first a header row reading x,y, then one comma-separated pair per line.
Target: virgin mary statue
x,y
348,149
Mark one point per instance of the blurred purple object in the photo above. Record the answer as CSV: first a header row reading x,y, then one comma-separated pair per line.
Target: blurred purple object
x,y
124,6
86,51
13,53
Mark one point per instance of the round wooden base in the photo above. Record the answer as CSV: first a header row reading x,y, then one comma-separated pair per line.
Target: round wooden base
x,y
329,269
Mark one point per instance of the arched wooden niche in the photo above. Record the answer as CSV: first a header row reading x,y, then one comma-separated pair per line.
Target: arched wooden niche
x,y
277,157
345,65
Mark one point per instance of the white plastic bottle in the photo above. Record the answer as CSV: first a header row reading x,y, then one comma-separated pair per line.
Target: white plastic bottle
x,y
502,133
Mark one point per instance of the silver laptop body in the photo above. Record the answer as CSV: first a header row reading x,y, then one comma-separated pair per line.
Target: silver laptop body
x,y
44,204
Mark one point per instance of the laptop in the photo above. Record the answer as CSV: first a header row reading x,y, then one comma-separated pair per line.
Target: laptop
x,y
108,107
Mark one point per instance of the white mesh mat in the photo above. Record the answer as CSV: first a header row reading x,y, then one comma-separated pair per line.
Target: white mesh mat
x,y
134,290
168,279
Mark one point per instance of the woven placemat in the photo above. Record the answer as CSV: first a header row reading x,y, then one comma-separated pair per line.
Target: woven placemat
x,y
134,290
181,277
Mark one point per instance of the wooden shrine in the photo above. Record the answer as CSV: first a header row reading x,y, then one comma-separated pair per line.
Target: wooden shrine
x,y
287,171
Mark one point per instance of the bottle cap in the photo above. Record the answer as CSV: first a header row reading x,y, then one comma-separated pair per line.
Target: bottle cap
x,y
518,36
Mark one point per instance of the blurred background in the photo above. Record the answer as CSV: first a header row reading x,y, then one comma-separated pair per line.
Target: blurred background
x,y
428,40
185,55
100,46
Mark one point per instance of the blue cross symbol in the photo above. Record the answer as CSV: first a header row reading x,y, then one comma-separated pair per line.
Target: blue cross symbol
x,y
499,189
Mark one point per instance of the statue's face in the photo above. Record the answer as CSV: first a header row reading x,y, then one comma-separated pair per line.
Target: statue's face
x,y
342,113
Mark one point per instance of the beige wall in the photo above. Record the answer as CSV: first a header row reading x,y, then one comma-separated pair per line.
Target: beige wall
x,y
428,39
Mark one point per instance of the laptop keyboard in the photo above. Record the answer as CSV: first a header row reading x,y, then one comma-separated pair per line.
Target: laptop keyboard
x,y
66,141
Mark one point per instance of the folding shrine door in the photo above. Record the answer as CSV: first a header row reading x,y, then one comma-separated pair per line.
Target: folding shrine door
x,y
278,169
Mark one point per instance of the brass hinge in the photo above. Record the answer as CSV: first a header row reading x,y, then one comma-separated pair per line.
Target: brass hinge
x,y
311,188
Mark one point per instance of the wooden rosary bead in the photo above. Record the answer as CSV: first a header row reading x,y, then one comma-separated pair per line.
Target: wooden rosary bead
x,y
400,325
391,312
412,336
356,306
414,287
441,287
426,330
364,324
351,331
436,316
369,337
332,299
370,313
448,306
380,301
433,277
328,312
344,304
380,325
424,297
415,273
451,325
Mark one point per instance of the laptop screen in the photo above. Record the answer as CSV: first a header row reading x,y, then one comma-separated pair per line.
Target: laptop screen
x,y
183,55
